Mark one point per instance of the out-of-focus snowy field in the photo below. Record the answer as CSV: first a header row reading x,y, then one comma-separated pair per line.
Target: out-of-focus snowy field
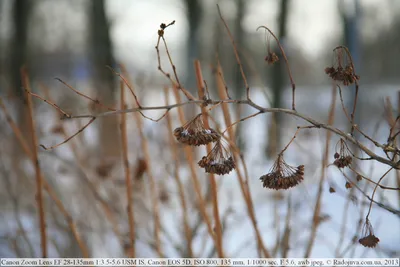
x,y
239,240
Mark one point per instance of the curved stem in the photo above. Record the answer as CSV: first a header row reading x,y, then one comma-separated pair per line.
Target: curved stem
x,y
287,64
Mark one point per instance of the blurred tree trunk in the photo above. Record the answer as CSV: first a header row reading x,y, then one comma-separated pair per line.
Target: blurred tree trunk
x,y
194,14
100,47
274,129
239,87
20,17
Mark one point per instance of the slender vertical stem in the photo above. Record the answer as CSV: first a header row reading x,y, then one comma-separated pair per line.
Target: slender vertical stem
x,y
244,186
124,138
179,183
149,170
214,187
35,161
317,207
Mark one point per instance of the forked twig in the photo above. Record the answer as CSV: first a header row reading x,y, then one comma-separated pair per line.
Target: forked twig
x,y
69,138
96,101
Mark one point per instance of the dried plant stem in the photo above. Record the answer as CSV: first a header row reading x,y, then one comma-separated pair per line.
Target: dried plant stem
x,y
35,161
241,120
96,101
317,208
69,138
50,103
236,53
373,182
127,84
356,83
179,183
295,135
373,193
195,179
153,189
214,187
287,65
124,139
46,186
92,187
244,186
176,83
344,223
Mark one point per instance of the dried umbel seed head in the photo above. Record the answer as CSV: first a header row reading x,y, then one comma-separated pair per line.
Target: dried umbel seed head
x,y
343,158
359,177
282,175
218,161
271,58
345,75
194,133
369,240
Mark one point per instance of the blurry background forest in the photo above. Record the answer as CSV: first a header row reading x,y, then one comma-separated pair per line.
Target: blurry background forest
x,y
74,40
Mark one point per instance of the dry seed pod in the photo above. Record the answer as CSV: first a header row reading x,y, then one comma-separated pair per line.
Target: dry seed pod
x,y
194,133
345,75
218,161
282,175
369,240
271,58
343,158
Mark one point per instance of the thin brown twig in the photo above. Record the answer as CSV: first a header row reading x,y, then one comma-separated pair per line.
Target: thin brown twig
x,y
129,197
317,208
196,184
69,138
244,185
373,182
49,102
179,183
96,101
127,84
241,120
356,83
219,70
295,135
287,64
373,193
36,163
236,53
214,188
153,189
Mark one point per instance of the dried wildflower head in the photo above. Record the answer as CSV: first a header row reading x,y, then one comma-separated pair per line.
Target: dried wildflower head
x,y
332,190
348,185
359,177
218,161
282,175
337,72
271,58
369,240
194,133
343,158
